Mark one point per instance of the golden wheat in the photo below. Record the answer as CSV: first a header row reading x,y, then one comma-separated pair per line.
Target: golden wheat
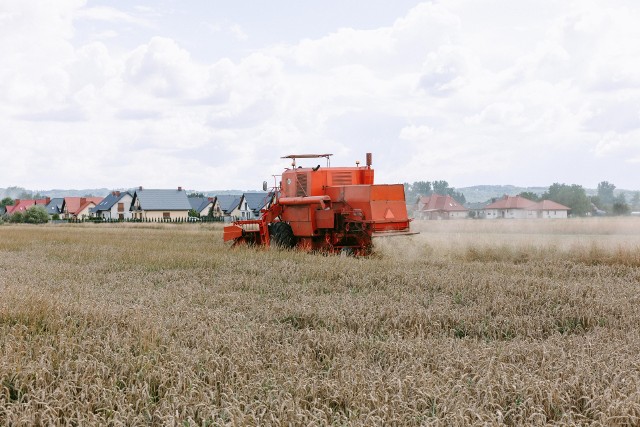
x,y
471,322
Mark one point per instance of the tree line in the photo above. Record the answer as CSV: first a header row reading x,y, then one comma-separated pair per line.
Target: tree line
x,y
575,197
427,188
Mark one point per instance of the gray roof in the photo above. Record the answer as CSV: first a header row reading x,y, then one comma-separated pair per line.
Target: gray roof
x,y
55,206
108,202
2,210
257,201
199,203
162,200
228,202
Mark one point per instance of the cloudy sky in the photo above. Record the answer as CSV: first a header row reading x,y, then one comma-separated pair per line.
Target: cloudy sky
x,y
210,94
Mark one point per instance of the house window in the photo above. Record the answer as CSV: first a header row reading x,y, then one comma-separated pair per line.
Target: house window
x,y
166,215
120,216
120,207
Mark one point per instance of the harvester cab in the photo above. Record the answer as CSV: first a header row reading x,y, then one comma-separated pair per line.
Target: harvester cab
x,y
325,208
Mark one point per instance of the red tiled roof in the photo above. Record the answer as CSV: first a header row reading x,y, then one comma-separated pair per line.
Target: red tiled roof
x,y
73,205
437,202
23,205
511,202
548,205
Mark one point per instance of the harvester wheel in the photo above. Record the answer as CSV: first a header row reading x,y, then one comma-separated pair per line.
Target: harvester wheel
x,y
282,235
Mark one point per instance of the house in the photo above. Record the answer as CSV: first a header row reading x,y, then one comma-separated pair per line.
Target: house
x,y
229,205
204,205
55,206
549,209
255,202
476,209
156,204
23,205
78,207
519,207
510,207
438,206
116,206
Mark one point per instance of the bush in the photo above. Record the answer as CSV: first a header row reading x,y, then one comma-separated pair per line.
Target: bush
x,y
16,217
55,217
36,215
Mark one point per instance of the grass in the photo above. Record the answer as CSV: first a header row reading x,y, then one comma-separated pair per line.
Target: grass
x,y
470,322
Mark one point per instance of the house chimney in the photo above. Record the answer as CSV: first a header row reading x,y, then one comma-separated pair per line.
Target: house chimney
x,y
140,188
179,188
117,194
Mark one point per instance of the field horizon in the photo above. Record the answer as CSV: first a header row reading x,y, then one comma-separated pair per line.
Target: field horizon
x,y
505,322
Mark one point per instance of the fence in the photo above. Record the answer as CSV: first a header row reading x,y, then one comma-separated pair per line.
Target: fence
x,y
190,220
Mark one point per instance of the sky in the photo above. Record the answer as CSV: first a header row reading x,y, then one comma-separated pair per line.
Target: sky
x,y
211,94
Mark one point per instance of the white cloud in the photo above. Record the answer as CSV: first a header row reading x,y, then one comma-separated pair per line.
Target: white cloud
x,y
109,14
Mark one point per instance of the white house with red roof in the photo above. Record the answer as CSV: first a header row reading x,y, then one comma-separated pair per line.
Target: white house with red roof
x,y
517,207
550,209
438,206
78,207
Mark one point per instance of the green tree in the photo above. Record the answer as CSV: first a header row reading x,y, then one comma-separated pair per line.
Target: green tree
x,y
7,201
16,217
620,206
422,188
441,187
605,192
457,196
635,200
195,195
530,195
193,213
572,196
36,215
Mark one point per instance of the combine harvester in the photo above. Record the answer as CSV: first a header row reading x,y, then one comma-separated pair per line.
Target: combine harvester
x,y
327,209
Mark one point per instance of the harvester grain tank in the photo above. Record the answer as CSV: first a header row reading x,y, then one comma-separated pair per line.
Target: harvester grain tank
x,y
331,209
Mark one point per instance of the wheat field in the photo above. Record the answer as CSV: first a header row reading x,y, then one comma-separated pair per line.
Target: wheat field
x,y
468,323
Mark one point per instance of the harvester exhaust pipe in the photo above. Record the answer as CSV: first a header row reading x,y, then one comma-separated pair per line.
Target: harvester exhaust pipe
x,y
369,160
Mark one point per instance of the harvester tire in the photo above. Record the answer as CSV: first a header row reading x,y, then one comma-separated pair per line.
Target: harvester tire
x,y
282,235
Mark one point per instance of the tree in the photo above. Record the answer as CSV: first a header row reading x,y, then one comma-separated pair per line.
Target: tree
x,y
422,188
530,195
16,217
635,200
193,213
7,201
457,196
605,192
572,196
620,206
441,187
36,215
192,195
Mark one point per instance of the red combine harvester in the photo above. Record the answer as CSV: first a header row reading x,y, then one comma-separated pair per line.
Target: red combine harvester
x,y
330,209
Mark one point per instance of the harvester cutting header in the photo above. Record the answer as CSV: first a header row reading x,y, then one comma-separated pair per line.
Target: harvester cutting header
x,y
330,209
